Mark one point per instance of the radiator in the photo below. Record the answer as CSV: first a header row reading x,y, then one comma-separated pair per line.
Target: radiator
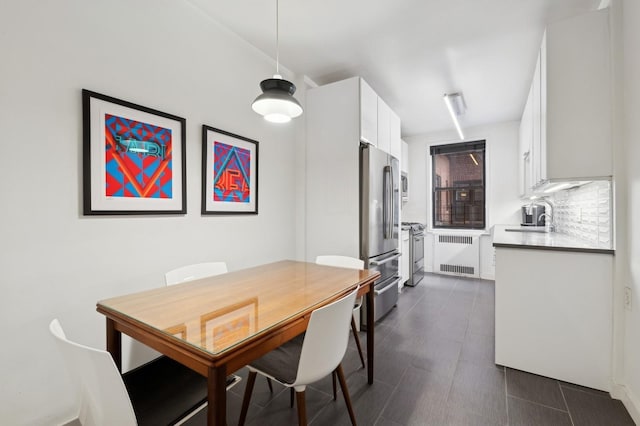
x,y
457,255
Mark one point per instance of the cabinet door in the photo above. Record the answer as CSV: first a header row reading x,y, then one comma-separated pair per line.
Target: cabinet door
x,y
384,126
395,142
368,114
526,141
543,108
404,162
404,262
536,150
578,97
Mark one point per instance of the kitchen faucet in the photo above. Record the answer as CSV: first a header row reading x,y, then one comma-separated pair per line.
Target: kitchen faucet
x,y
551,226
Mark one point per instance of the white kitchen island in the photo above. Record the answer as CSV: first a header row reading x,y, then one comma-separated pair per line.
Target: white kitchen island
x,y
553,306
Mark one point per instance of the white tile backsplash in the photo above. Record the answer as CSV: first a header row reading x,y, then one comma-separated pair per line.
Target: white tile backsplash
x,y
585,212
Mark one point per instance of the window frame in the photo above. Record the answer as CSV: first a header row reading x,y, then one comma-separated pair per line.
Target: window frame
x,y
461,147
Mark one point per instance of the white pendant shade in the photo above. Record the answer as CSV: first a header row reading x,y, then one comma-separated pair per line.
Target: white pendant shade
x,y
277,105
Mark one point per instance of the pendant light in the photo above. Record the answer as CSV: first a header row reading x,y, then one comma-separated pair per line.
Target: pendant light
x,y
276,103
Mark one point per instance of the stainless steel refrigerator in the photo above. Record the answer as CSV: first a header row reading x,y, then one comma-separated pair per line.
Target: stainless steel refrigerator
x,y
380,225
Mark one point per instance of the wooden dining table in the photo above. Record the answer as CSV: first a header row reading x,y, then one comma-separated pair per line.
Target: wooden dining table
x,y
219,324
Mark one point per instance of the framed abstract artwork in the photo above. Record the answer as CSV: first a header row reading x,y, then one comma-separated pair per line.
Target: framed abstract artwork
x,y
133,158
229,173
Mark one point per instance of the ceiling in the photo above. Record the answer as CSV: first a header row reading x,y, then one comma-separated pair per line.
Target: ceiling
x,y
410,51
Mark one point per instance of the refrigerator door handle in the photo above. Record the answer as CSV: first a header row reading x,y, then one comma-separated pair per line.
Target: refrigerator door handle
x,y
392,204
387,201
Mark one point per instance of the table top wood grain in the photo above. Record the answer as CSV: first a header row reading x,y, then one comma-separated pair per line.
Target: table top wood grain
x,y
216,314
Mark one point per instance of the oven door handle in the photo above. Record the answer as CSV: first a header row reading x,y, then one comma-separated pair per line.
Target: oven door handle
x,y
385,260
387,288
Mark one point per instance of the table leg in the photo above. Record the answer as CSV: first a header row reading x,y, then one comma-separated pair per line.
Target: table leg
x,y
114,343
217,391
370,334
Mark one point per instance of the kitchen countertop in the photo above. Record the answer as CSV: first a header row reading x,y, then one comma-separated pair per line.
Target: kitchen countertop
x,y
544,240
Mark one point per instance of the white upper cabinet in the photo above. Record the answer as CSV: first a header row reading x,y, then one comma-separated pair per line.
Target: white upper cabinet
x,y
578,97
395,143
404,161
384,126
368,114
536,113
526,142
566,124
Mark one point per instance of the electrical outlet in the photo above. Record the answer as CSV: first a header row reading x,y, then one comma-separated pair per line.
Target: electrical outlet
x,y
627,298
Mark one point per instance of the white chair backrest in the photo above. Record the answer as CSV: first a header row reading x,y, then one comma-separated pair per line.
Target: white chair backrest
x,y
325,341
102,395
194,272
340,261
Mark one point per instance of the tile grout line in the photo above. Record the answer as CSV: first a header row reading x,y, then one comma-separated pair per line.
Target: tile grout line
x,y
506,395
565,403
395,388
538,404
460,352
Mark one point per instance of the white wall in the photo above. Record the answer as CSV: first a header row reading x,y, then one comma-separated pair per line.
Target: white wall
x,y
628,238
164,54
501,181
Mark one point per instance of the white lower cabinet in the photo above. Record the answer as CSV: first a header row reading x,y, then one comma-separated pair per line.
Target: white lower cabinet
x,y
404,260
554,314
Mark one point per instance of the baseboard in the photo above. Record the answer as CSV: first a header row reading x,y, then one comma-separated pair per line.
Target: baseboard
x,y
629,399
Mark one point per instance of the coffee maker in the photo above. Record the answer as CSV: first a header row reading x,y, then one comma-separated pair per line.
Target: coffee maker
x,y
533,215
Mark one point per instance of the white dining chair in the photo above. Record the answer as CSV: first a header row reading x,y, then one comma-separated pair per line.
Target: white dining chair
x,y
104,397
352,263
309,357
194,272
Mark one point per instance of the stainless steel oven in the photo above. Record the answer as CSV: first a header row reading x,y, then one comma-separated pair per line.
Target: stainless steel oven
x,y
416,253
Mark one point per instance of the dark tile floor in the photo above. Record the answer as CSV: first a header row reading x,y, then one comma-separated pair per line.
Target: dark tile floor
x,y
435,366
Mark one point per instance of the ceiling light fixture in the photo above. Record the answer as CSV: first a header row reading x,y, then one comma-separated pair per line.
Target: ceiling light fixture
x,y
457,107
276,103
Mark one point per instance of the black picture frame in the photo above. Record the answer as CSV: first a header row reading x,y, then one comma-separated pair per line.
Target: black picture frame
x,y
134,158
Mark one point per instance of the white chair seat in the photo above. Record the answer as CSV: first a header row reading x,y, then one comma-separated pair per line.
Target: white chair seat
x,y
277,363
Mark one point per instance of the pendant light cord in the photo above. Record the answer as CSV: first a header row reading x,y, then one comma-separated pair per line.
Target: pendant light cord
x,y
277,42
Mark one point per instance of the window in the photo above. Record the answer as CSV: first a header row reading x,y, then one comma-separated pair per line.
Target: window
x,y
458,185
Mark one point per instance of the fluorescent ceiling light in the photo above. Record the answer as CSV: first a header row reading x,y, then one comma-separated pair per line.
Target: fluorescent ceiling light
x,y
456,106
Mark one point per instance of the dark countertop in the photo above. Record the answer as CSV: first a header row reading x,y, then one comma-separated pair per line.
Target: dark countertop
x,y
544,241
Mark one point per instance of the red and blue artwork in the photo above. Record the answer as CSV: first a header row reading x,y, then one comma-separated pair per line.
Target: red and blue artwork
x,y
231,173
138,159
